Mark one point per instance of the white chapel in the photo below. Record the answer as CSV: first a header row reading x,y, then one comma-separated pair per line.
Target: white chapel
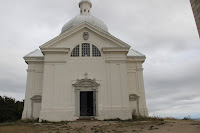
x,y
84,72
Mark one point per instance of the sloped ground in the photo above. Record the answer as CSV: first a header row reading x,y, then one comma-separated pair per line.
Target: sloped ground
x,y
167,126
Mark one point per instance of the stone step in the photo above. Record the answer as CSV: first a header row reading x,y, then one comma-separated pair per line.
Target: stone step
x,y
87,118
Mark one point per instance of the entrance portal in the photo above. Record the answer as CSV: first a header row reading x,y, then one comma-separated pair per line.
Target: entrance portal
x,y
86,97
87,103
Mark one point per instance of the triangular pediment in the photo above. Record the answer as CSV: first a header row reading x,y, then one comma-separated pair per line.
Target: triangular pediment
x,y
84,26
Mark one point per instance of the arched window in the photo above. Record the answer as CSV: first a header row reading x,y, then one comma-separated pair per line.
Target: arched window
x,y
75,52
84,51
95,51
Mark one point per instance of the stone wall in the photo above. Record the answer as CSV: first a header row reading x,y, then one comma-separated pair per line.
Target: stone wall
x,y
196,10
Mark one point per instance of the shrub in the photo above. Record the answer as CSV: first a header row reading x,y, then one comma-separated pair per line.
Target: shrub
x,y
145,118
187,118
10,109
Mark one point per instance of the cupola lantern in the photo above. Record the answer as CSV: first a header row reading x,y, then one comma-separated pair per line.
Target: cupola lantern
x,y
85,7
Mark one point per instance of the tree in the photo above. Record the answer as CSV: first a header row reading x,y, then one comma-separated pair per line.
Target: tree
x,y
10,110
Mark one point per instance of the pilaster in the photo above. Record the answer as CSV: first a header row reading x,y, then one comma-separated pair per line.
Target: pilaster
x,y
29,91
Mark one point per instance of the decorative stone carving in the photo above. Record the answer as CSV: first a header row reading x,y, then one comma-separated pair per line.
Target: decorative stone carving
x,y
86,75
85,35
86,83
36,98
133,97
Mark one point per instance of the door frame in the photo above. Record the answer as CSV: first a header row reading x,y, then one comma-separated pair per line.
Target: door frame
x,y
93,102
85,85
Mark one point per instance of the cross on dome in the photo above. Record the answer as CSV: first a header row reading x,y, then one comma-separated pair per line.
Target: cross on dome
x,y
85,6
86,75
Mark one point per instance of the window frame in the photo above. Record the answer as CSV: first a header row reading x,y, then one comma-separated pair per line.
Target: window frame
x,y
90,51
95,51
73,53
85,50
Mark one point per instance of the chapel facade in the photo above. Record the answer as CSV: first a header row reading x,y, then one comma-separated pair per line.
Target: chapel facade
x,y
84,72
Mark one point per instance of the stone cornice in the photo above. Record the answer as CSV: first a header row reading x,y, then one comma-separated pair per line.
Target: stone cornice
x,y
115,49
50,62
136,59
33,70
29,60
116,61
55,50
30,70
74,30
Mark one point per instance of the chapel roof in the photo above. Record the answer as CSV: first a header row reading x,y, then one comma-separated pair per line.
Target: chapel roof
x,y
35,53
133,53
85,16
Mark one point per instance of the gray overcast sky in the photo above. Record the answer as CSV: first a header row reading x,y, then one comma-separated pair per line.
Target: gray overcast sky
x,y
163,30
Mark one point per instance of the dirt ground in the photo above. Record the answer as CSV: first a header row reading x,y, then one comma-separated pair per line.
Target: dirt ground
x,y
167,126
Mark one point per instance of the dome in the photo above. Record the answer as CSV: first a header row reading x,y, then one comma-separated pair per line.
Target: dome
x,y
85,18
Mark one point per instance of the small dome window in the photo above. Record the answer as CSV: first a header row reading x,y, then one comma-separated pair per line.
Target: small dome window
x,y
95,51
84,10
75,52
85,49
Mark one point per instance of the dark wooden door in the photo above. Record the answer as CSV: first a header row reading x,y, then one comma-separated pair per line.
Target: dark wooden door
x,y
86,103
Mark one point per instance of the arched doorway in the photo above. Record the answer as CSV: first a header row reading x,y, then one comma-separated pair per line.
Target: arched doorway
x,y
86,97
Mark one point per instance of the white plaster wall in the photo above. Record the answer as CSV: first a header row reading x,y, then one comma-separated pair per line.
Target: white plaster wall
x,y
136,86
58,92
133,106
116,105
33,86
36,110
61,71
